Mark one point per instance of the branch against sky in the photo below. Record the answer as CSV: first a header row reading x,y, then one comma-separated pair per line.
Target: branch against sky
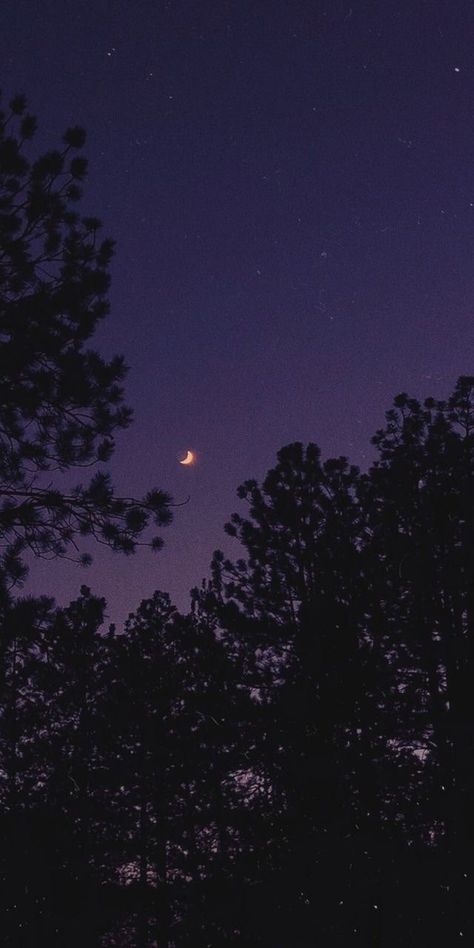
x,y
60,402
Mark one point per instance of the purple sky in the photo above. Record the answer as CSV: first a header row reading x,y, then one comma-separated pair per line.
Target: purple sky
x,y
291,188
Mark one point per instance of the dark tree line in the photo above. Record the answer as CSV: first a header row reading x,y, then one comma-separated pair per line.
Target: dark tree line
x,y
289,764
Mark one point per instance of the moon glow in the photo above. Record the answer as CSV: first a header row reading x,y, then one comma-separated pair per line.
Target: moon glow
x,y
189,459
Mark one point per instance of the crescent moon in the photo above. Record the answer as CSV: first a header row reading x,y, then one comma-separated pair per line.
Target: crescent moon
x,y
189,459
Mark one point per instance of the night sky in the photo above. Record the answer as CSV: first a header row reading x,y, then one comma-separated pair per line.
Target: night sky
x,y
291,189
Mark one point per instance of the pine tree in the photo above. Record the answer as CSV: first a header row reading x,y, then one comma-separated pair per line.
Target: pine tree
x,y
298,603
420,497
60,401
169,700
52,759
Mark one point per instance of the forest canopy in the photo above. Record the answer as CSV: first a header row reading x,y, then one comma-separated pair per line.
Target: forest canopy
x,y
292,761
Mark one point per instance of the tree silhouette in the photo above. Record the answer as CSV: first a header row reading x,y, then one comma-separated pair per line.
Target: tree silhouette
x,y
290,763
170,704
53,758
60,402
299,597
420,498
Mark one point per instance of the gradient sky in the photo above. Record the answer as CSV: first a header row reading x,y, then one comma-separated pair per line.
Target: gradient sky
x,y
291,188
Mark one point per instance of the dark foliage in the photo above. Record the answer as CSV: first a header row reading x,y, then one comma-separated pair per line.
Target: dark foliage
x,y
292,763
60,401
